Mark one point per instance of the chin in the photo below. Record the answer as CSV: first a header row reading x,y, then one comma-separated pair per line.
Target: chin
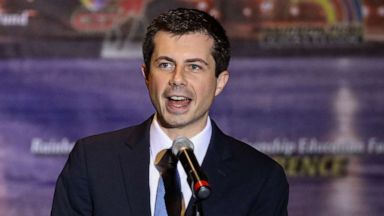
x,y
171,122
175,123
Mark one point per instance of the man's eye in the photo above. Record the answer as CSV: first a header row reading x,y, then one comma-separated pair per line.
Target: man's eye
x,y
194,67
166,65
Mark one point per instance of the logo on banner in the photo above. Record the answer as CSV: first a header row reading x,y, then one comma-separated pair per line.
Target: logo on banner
x,y
94,5
303,23
103,15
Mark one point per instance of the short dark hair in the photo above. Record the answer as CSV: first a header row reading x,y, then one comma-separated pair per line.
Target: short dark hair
x,y
183,21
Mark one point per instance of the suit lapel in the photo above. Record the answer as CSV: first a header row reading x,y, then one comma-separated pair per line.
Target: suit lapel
x,y
216,163
134,159
216,166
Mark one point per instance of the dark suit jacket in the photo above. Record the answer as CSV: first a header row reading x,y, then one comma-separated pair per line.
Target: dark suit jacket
x,y
108,175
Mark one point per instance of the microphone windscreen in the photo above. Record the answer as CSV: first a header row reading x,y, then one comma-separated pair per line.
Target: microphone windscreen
x,y
181,143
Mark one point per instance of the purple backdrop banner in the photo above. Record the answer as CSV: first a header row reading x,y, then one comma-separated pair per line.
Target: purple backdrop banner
x,y
306,87
321,118
104,28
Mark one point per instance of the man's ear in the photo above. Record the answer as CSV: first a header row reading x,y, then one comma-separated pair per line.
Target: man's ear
x,y
144,72
221,82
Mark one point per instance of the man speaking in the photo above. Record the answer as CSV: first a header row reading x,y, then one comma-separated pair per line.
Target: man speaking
x,y
177,162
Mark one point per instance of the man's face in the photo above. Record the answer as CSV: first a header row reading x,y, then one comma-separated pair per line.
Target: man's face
x,y
182,82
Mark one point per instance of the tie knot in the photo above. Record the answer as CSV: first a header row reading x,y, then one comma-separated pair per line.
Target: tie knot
x,y
165,160
166,164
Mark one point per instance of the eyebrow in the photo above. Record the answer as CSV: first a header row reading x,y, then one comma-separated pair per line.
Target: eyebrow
x,y
165,58
196,60
187,61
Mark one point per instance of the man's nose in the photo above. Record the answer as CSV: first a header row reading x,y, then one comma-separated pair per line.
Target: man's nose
x,y
178,77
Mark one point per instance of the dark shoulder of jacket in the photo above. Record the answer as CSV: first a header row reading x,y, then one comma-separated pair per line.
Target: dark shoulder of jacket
x,y
250,156
114,137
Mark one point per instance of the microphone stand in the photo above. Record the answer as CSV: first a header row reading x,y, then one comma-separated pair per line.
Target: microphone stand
x,y
197,210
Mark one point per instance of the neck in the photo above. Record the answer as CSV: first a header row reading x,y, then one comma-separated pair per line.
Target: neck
x,y
188,131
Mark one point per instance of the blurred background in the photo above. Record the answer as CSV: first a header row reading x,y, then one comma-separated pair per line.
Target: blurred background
x,y
306,88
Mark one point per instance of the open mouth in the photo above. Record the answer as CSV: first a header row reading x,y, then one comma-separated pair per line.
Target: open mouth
x,y
178,102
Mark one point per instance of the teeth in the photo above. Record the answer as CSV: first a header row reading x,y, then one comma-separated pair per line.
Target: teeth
x,y
178,98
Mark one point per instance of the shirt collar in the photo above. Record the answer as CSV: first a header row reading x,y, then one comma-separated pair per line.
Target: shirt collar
x,y
159,140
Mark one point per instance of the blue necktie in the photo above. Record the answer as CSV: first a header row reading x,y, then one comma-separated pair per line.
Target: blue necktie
x,y
168,196
160,209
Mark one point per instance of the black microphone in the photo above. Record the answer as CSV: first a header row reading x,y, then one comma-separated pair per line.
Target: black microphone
x,y
182,148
